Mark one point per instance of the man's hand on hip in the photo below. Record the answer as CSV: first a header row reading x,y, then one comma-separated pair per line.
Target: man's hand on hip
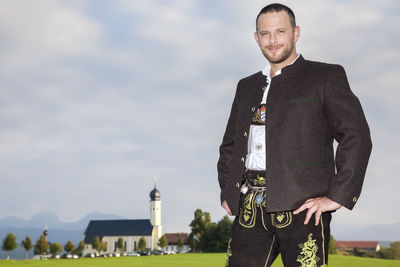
x,y
317,205
226,207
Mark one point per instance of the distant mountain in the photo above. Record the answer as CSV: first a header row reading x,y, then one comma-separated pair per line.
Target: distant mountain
x,y
58,231
60,236
387,232
50,219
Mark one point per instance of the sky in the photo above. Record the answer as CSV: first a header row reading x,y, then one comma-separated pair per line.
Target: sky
x,y
98,97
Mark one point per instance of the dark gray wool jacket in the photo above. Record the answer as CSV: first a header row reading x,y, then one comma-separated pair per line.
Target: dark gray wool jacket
x,y
308,105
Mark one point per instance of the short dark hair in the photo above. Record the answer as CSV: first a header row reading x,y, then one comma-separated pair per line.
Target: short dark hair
x,y
276,7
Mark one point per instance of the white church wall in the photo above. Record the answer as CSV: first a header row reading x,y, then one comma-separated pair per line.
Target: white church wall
x,y
155,212
132,243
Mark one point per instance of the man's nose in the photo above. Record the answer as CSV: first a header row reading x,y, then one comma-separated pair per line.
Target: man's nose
x,y
273,39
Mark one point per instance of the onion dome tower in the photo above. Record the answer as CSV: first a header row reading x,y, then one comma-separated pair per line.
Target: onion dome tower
x,y
45,232
155,214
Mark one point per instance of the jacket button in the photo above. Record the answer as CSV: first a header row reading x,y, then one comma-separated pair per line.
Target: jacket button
x,y
237,185
355,199
264,88
245,134
242,159
253,109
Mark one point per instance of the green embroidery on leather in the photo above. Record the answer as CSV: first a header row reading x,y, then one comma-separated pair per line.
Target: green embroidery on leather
x,y
281,219
247,216
259,180
264,203
301,99
312,163
228,253
308,255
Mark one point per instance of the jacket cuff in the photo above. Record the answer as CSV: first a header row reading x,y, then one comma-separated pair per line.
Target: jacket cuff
x,y
348,201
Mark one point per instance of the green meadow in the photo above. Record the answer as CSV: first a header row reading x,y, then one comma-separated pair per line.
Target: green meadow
x,y
187,260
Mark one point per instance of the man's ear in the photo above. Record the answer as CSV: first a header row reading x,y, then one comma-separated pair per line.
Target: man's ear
x,y
296,33
256,37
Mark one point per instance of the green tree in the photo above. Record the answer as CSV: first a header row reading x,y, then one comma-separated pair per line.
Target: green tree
x,y
27,244
385,253
199,227
96,244
210,238
356,251
162,242
79,249
217,235
103,246
224,231
120,244
180,244
69,247
41,246
142,243
56,248
9,244
395,246
332,245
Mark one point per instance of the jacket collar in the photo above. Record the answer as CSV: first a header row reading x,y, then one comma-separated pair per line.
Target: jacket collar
x,y
298,61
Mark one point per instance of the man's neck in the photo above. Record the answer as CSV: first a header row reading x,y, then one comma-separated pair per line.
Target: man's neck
x,y
281,65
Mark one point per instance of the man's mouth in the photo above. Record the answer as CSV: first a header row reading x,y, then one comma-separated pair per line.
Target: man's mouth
x,y
273,48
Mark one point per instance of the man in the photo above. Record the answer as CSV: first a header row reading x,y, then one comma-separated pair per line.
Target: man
x,y
277,167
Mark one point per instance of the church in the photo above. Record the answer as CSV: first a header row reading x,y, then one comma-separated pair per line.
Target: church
x,y
130,231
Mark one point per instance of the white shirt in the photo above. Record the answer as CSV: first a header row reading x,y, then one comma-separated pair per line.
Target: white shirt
x,y
255,158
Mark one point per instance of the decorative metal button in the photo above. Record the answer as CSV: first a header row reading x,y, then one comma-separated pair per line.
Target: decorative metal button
x,y
245,134
244,190
253,109
259,199
355,199
264,88
237,185
242,159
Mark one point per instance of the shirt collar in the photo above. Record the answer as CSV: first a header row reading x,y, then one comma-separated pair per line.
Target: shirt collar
x,y
267,69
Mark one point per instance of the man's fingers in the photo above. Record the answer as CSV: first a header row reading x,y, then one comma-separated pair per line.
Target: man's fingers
x,y
228,210
309,200
306,205
310,212
226,207
317,216
300,209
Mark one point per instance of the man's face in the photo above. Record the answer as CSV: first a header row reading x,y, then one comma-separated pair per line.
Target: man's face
x,y
276,36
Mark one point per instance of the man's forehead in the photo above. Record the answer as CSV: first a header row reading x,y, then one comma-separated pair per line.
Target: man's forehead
x,y
274,18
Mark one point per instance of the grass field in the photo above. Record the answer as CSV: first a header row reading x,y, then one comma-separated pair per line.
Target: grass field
x,y
187,260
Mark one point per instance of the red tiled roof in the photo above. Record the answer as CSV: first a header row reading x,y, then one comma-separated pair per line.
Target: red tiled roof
x,y
173,238
357,244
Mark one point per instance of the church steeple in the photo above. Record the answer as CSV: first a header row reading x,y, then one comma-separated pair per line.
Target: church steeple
x,y
45,232
155,212
155,194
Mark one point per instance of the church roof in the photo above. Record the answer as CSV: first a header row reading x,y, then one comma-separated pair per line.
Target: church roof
x,y
357,244
102,228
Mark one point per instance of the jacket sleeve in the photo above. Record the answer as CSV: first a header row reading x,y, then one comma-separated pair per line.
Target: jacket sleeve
x,y
349,127
226,150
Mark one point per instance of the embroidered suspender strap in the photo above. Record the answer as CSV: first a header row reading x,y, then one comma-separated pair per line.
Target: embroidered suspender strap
x,y
256,188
